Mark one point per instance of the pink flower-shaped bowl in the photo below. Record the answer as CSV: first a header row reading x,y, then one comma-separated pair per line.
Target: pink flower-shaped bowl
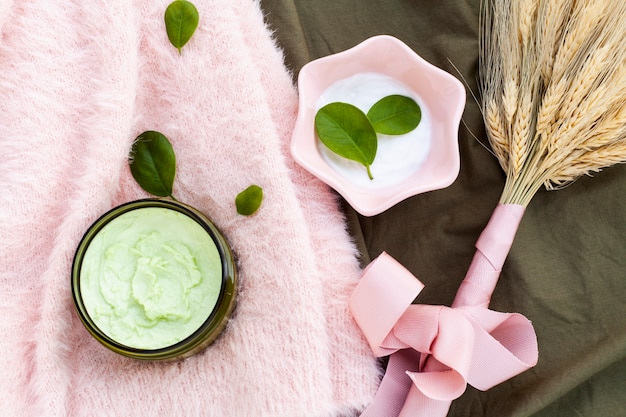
x,y
432,165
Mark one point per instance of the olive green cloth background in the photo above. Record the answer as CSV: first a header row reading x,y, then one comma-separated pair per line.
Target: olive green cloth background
x,y
567,269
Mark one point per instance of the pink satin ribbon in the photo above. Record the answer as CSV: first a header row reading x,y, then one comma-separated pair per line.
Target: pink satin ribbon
x,y
435,351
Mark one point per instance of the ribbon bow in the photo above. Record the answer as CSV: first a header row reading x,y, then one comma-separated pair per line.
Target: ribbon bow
x,y
435,351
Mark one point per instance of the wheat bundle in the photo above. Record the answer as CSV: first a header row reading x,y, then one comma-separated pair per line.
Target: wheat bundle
x,y
553,85
553,98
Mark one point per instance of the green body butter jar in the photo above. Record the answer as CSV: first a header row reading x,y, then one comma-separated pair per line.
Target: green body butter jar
x,y
154,279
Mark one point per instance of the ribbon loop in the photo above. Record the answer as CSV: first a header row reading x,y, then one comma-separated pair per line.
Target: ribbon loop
x,y
506,346
439,385
385,283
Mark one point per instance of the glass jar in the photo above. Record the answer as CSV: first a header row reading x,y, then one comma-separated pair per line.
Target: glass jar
x,y
154,279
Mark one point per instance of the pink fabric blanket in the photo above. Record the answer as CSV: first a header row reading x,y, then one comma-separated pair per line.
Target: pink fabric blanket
x,y
79,80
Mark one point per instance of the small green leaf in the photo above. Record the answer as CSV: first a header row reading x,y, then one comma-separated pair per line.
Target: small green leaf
x,y
395,115
181,21
346,130
249,200
153,163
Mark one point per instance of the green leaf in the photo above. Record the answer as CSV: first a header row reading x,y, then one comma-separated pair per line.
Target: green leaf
x,y
346,130
249,200
181,21
395,115
153,163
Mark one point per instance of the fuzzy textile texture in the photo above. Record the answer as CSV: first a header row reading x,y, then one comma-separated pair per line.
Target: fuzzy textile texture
x,y
78,82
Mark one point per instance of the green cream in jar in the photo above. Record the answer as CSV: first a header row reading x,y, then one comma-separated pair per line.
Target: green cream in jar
x,y
154,279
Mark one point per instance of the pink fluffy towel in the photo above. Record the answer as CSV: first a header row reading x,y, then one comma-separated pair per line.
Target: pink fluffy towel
x,y
79,80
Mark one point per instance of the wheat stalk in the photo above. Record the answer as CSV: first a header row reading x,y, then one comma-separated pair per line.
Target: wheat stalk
x,y
585,18
591,160
550,26
553,84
